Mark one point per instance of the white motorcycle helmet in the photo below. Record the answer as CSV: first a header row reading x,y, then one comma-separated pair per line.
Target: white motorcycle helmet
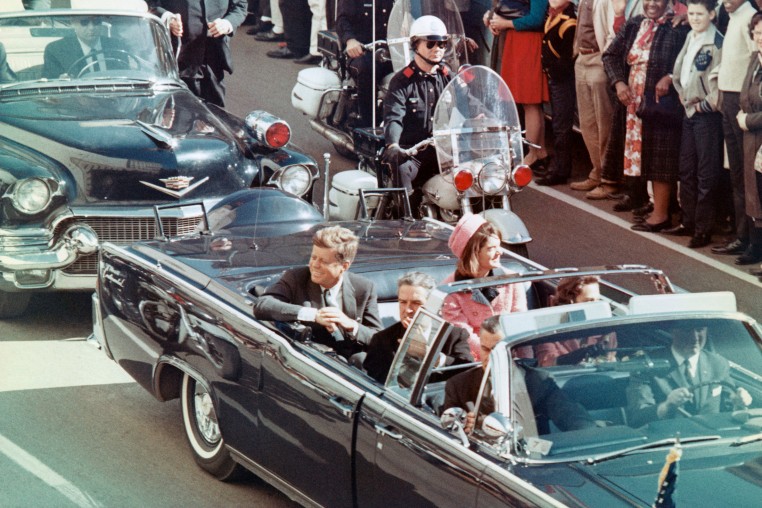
x,y
428,28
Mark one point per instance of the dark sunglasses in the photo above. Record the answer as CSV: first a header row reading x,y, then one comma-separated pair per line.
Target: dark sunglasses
x,y
439,44
86,22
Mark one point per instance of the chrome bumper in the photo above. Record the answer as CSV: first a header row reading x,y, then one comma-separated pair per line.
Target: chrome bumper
x,y
77,240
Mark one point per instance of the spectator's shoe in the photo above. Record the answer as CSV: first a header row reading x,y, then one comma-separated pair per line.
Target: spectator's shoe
x,y
584,185
750,256
251,19
551,179
603,191
643,210
270,36
309,59
540,166
625,204
700,240
680,230
652,228
734,247
261,27
756,271
284,53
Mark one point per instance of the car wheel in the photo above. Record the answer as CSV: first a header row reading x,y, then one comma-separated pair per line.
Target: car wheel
x,y
13,304
521,249
203,432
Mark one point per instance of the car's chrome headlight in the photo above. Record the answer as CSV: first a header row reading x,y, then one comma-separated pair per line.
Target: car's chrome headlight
x,y
492,178
295,179
31,196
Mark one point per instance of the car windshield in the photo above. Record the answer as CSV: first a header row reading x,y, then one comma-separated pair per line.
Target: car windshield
x,y
40,49
593,392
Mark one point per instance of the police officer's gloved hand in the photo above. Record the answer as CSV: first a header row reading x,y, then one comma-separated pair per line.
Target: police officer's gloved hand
x,y
393,154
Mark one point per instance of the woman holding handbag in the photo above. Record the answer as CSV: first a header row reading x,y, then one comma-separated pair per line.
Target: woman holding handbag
x,y
639,63
518,27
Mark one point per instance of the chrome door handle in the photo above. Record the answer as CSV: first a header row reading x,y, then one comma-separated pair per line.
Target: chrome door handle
x,y
385,430
346,410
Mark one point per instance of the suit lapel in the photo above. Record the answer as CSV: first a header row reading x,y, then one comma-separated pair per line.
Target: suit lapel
x,y
348,298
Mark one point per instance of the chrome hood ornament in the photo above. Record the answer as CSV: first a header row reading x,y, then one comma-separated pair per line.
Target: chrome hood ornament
x,y
176,186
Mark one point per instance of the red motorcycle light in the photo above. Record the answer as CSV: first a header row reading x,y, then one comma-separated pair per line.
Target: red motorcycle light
x,y
464,180
278,134
522,175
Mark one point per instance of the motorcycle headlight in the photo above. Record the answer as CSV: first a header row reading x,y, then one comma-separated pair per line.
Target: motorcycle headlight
x,y
31,196
492,178
295,179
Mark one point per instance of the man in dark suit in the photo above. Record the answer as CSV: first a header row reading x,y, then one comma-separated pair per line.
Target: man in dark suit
x,y
341,307
204,28
66,57
412,292
693,384
548,401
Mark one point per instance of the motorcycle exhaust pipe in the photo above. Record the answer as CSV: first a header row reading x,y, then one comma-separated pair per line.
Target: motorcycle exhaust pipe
x,y
334,136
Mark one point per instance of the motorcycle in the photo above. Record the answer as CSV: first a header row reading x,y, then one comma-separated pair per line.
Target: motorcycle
x,y
479,145
328,94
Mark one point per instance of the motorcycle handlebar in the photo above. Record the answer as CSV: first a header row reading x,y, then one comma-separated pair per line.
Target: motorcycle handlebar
x,y
413,150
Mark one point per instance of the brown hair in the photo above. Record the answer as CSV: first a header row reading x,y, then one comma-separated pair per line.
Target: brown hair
x,y
340,239
571,287
755,20
468,263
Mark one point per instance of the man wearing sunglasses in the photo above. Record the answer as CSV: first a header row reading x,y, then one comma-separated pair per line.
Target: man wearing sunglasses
x,y
409,106
86,50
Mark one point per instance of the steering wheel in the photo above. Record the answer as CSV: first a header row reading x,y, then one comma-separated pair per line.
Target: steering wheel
x,y
109,55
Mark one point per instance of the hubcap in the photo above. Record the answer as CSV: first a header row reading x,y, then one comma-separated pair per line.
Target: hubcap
x,y
206,418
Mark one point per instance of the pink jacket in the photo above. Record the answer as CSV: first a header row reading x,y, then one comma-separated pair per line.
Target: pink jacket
x,y
461,310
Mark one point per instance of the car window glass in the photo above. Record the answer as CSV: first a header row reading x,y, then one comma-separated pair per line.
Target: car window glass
x,y
51,47
598,388
418,340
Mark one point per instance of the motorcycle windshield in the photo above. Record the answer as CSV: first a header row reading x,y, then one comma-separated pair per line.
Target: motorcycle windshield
x,y
402,16
476,128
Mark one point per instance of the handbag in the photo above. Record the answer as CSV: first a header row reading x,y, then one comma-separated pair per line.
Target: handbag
x,y
509,12
667,111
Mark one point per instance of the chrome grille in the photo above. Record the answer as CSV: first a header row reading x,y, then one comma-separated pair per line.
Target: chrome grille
x,y
123,231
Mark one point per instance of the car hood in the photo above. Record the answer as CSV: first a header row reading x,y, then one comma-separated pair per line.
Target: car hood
x,y
115,148
708,475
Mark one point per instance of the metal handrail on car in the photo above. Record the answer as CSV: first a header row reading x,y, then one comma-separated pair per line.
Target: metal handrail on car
x,y
160,227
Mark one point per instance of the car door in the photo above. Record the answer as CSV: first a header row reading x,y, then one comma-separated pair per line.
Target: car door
x,y
411,460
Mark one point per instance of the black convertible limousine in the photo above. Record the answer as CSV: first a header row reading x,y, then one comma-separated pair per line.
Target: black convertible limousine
x,y
176,314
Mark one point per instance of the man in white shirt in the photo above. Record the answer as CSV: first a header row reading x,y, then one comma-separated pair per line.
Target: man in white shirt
x,y
737,51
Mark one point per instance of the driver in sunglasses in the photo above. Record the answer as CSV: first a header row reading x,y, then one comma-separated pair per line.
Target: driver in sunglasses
x,y
84,50
409,107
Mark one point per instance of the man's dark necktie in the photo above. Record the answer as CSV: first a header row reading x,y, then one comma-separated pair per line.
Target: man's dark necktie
x,y
691,380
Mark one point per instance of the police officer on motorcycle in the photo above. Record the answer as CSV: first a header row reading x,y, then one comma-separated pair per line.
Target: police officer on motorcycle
x,y
354,25
409,106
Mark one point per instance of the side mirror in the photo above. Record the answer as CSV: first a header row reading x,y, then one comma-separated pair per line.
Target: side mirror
x,y
453,416
497,426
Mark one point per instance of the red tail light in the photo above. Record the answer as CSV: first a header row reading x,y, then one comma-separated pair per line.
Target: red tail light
x,y
278,135
463,180
522,175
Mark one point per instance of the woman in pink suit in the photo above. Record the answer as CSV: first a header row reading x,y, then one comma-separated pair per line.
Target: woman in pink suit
x,y
476,243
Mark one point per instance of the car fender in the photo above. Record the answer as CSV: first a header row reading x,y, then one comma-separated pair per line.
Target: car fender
x,y
511,227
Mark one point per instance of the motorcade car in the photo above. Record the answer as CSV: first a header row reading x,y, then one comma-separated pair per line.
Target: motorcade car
x,y
90,143
176,314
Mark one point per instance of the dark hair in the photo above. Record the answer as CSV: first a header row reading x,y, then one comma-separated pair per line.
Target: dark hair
x,y
492,325
755,20
468,263
710,5
571,287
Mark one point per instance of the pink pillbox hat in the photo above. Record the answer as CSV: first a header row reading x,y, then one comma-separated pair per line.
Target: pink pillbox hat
x,y
464,230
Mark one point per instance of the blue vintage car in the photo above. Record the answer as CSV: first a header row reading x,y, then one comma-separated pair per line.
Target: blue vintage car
x,y
88,145
261,396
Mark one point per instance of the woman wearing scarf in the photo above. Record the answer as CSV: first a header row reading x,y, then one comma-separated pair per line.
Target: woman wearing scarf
x,y
476,243
639,64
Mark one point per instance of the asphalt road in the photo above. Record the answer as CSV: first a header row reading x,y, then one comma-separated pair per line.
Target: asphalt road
x,y
75,431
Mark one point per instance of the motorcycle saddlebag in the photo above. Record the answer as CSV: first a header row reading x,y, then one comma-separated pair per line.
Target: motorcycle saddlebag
x,y
311,83
368,142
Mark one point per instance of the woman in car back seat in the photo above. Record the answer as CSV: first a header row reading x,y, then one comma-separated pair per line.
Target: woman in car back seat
x,y
573,351
476,243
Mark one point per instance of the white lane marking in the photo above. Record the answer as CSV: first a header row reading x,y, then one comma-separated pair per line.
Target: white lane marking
x,y
30,365
656,238
33,465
